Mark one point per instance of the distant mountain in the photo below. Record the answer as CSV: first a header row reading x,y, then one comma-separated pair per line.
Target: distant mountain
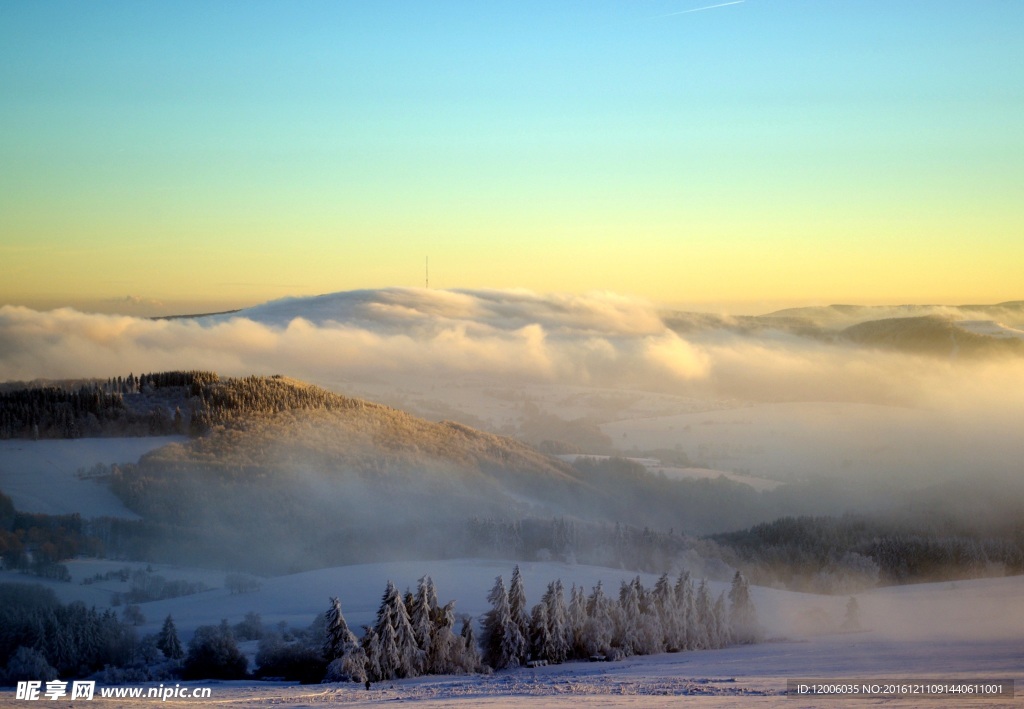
x,y
937,330
938,336
839,317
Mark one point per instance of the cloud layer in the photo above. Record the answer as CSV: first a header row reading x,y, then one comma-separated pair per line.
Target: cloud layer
x,y
598,339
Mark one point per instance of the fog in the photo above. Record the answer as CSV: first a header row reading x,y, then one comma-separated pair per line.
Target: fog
x,y
600,340
478,356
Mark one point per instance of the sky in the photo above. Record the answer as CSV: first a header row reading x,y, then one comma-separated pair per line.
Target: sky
x,y
196,156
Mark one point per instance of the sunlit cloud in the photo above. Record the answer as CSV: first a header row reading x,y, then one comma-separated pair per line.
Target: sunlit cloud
x,y
597,339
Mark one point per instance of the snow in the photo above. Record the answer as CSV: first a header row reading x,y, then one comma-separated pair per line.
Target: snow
x,y
40,476
964,630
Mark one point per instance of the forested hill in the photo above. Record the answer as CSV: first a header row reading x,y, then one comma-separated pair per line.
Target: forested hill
x,y
152,404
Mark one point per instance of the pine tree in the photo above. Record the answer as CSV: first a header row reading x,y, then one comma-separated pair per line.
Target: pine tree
x,y
168,641
600,625
470,654
686,611
446,648
540,633
704,620
577,622
400,656
558,625
423,616
720,635
517,608
372,650
667,611
628,625
503,643
338,638
389,660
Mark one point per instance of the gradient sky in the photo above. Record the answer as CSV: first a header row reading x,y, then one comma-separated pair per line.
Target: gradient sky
x,y
219,154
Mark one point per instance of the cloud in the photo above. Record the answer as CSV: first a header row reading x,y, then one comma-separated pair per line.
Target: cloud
x,y
596,339
701,9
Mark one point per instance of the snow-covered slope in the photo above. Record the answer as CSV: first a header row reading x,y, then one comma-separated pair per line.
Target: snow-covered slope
x,y
40,476
968,630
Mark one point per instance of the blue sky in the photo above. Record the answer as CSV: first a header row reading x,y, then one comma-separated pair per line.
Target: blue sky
x,y
798,151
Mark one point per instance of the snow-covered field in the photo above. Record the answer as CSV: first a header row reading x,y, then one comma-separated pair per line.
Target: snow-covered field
x,y
965,630
40,476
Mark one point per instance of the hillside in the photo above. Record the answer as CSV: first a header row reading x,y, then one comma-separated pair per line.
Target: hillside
x,y
935,335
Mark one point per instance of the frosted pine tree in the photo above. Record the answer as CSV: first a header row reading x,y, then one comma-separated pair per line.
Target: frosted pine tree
x,y
720,636
410,657
517,608
667,610
577,622
168,641
446,647
540,633
600,625
389,660
558,624
687,611
338,638
503,642
372,650
400,656
470,655
628,625
422,616
704,620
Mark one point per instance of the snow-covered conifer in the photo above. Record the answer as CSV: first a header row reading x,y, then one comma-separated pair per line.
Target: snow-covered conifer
x,y
410,656
445,647
400,656
600,624
687,611
628,620
388,659
338,638
372,651
503,642
469,659
168,641
667,610
517,608
558,624
540,633
422,616
577,621
703,611
720,634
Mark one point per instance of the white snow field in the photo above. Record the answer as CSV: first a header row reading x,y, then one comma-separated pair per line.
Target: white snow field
x,y
41,476
967,630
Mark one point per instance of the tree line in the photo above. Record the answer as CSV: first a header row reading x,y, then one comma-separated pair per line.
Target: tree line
x,y
415,635
159,403
852,552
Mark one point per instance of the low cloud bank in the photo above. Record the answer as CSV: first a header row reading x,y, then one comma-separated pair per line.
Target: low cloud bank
x,y
598,339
